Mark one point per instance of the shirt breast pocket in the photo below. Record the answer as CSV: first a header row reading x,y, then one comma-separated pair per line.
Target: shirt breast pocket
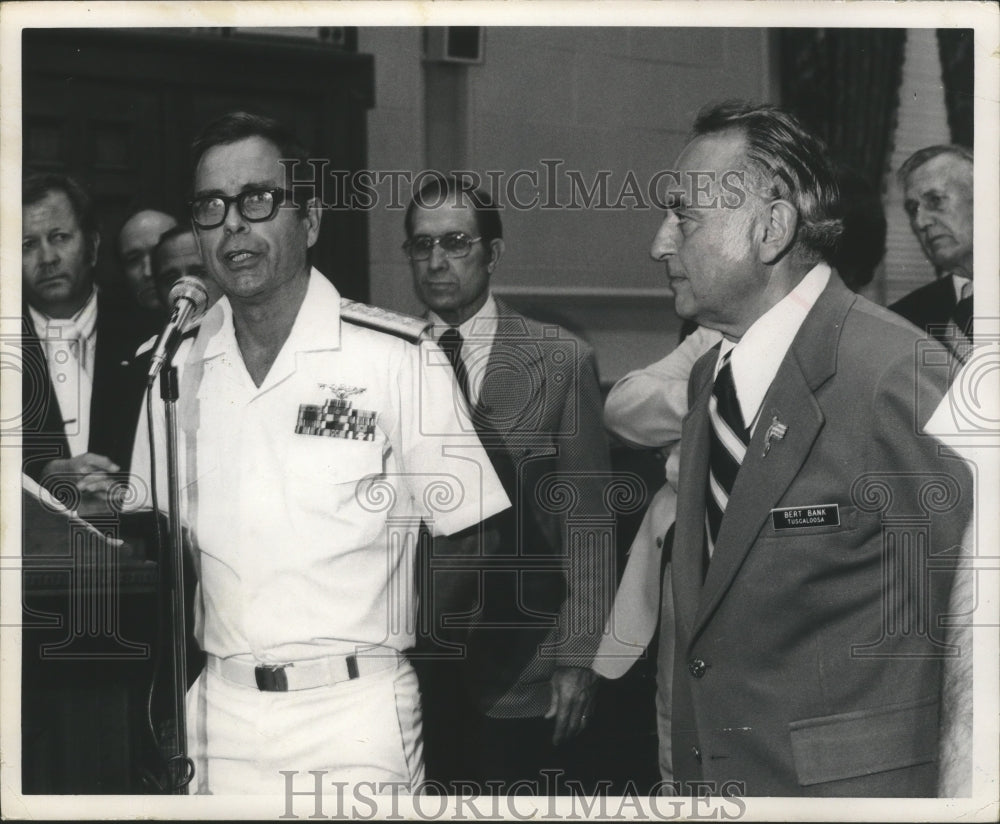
x,y
327,461
332,483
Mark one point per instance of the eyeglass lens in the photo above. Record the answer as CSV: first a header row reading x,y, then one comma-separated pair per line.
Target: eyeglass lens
x,y
453,244
209,212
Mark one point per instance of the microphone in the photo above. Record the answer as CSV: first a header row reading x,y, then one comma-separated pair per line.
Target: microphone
x,y
188,299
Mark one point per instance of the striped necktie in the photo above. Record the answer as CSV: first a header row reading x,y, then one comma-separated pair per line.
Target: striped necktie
x,y
728,446
451,342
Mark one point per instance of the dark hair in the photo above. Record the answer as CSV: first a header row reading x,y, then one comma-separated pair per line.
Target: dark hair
x,y
861,247
922,156
36,185
235,126
436,191
789,163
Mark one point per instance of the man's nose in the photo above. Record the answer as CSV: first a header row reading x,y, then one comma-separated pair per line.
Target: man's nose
x,y
438,259
923,217
665,241
50,254
234,221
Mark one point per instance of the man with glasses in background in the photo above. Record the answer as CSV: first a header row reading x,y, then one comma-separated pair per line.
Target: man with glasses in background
x,y
521,684
314,443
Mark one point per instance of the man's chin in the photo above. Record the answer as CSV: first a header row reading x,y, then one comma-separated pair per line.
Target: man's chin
x,y
57,291
439,304
944,255
684,308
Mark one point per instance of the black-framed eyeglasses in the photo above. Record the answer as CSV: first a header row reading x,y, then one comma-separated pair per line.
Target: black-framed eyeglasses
x,y
255,205
453,244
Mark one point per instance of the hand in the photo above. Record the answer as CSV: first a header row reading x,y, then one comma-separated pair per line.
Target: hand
x,y
573,692
89,473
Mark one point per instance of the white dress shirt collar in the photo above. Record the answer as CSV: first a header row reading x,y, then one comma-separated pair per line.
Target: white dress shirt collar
x,y
478,334
959,282
758,354
81,327
481,327
69,345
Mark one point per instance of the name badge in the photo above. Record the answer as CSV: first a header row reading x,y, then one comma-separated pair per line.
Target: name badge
x,y
804,517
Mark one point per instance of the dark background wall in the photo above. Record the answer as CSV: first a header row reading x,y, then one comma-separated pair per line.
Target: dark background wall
x,y
119,109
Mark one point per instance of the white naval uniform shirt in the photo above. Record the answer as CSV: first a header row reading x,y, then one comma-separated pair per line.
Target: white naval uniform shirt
x,y
305,542
140,469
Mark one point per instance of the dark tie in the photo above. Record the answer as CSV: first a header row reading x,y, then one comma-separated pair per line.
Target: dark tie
x,y
451,344
729,441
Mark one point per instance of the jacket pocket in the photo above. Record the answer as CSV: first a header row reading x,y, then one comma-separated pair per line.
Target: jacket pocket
x,y
863,742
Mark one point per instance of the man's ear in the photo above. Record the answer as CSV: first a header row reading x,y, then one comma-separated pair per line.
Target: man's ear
x,y
496,252
94,243
780,220
313,216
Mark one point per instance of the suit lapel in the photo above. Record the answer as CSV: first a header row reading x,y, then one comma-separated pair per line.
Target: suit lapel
x,y
119,376
514,359
762,480
690,531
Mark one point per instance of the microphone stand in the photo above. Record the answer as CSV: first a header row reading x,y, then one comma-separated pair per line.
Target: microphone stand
x,y
179,763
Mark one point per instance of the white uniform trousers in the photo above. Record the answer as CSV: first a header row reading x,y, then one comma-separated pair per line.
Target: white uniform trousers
x,y
365,729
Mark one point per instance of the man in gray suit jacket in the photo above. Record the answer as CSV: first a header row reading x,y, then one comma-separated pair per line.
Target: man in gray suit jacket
x,y
813,514
523,621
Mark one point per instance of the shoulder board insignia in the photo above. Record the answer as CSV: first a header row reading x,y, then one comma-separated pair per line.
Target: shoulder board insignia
x,y
404,326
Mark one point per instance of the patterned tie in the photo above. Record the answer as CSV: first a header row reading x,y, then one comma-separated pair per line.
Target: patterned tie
x,y
451,344
728,446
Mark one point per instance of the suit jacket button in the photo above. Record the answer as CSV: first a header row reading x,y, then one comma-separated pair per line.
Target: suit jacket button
x,y
659,543
697,667
696,753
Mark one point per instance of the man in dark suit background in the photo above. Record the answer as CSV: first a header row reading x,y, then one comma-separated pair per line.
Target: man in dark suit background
x,y
522,685
938,184
80,394
806,661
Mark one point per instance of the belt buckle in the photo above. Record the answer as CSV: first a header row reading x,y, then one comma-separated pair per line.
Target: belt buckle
x,y
271,678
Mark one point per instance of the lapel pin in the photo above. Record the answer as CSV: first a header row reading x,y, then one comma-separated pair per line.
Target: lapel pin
x,y
775,432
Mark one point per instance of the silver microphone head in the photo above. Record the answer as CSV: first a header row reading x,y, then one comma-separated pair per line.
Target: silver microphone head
x,y
190,288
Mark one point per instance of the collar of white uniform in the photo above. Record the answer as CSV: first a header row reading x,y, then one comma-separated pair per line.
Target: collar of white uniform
x,y
481,327
758,354
316,326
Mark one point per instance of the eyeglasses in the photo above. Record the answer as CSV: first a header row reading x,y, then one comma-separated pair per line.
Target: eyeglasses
x,y
255,205
453,244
